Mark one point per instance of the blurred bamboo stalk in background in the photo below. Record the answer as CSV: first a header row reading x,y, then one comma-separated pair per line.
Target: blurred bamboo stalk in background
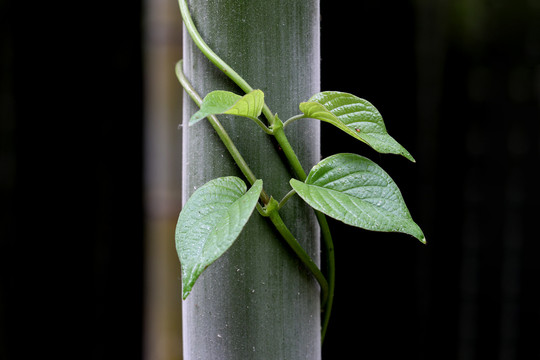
x,y
162,179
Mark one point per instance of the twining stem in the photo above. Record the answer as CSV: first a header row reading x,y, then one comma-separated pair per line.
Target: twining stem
x,y
279,134
214,58
276,219
281,138
330,271
273,214
220,130
271,208
283,142
205,49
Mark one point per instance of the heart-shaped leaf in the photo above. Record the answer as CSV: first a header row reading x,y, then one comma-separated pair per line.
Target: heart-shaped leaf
x,y
356,191
355,116
210,222
225,102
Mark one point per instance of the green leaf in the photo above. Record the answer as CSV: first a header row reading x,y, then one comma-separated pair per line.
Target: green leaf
x,y
356,191
210,222
355,116
225,102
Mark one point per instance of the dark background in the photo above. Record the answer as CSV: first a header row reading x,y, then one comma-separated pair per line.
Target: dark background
x,y
71,256
458,84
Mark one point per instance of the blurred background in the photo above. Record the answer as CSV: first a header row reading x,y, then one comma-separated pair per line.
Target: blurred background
x,y
90,179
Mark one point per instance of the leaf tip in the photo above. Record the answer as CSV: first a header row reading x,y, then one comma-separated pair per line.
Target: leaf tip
x,y
410,157
259,92
185,293
195,118
258,184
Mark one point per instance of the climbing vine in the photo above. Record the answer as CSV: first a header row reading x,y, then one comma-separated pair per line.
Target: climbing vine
x,y
347,187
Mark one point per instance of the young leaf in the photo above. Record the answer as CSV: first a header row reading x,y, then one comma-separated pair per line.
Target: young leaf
x,y
210,222
356,191
355,116
225,102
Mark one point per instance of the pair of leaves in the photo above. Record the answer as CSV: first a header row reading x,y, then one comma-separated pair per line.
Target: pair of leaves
x,y
210,222
216,213
358,192
347,187
351,114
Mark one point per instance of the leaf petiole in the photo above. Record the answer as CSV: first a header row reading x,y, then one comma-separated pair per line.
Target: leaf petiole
x,y
293,119
286,198
265,128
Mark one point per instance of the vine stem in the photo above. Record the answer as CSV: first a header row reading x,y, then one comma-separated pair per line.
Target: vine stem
x,y
283,142
271,208
286,198
331,270
281,138
214,58
209,53
275,218
220,130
